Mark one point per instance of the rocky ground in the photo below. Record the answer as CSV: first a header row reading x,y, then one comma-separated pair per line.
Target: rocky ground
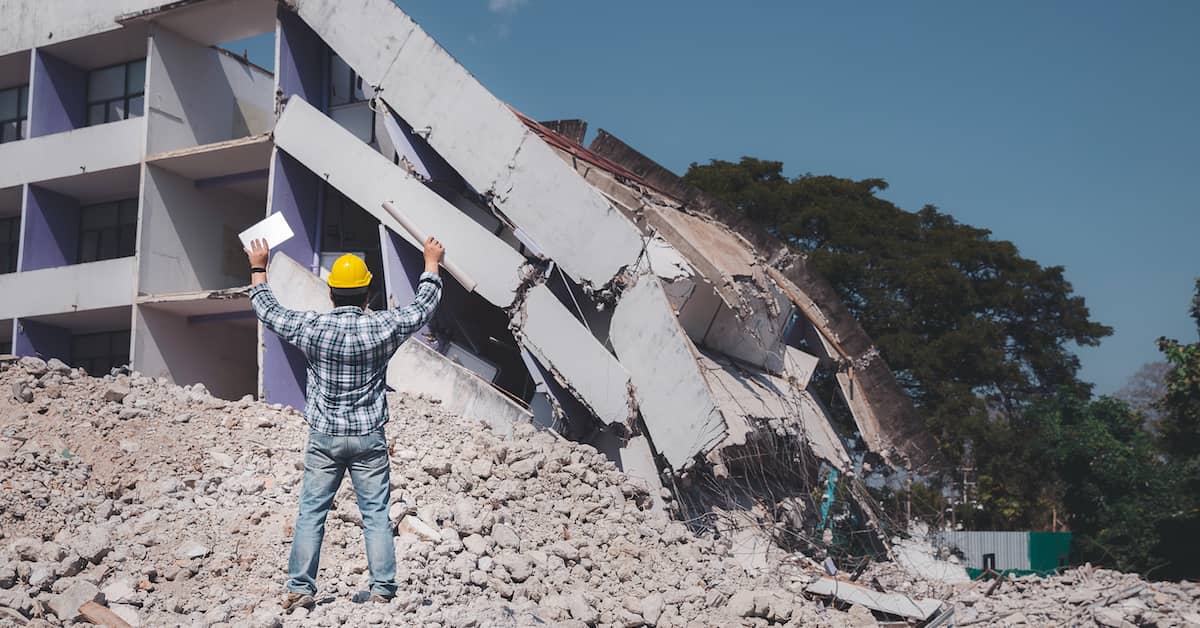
x,y
173,508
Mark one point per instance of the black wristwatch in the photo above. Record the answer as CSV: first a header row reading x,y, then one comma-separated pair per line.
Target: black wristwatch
x,y
257,270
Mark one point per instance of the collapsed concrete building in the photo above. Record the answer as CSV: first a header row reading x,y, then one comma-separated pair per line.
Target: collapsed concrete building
x,y
614,304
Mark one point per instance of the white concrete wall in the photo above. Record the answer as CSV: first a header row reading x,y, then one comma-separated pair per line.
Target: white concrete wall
x,y
222,355
32,23
677,406
189,236
197,95
368,178
562,343
88,286
479,136
89,149
417,369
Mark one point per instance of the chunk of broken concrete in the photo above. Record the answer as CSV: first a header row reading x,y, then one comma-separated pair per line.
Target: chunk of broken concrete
x,y
66,605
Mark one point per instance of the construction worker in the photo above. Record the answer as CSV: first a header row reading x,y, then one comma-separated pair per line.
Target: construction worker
x,y
348,351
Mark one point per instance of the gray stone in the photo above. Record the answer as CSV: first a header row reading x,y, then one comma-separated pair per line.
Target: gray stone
x,y
189,550
33,365
17,600
741,604
581,610
120,591
565,551
475,544
505,536
652,608
66,605
481,468
116,393
21,392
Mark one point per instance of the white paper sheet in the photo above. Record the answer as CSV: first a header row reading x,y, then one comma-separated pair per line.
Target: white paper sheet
x,y
274,230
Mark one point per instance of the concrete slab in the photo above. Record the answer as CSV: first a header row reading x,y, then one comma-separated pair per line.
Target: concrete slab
x,y
891,603
479,136
575,357
100,147
418,369
415,369
367,178
91,286
676,404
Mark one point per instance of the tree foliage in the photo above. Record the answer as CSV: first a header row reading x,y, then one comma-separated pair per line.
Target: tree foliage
x,y
983,340
971,328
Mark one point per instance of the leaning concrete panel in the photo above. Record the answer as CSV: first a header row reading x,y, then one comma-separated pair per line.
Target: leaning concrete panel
x,y
575,357
368,179
479,136
676,404
415,369
419,370
90,286
89,149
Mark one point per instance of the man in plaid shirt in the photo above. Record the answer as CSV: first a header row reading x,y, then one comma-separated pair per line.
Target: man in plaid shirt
x,y
348,351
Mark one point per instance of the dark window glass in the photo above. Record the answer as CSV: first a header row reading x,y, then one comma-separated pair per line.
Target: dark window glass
x,y
99,353
14,104
10,235
116,92
107,230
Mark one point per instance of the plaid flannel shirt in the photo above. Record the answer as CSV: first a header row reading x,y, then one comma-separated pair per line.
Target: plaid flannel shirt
x,y
348,351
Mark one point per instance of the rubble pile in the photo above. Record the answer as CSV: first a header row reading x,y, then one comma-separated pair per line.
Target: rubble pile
x,y
1082,596
170,507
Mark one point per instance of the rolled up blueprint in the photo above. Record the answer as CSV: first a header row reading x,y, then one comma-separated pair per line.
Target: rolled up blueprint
x,y
465,281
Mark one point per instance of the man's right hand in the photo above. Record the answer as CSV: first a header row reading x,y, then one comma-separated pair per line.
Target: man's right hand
x,y
434,251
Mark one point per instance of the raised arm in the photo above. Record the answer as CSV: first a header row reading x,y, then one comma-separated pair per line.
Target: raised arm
x,y
414,316
287,323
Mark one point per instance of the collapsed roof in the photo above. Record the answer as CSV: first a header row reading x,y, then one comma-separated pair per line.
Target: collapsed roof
x,y
640,306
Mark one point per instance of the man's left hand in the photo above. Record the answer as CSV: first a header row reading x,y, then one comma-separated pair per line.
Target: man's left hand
x,y
258,253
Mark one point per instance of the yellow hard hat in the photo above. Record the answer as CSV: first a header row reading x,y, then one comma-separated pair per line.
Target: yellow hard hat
x,y
349,271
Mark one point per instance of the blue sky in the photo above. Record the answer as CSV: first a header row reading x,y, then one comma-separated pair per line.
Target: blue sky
x,y
1069,128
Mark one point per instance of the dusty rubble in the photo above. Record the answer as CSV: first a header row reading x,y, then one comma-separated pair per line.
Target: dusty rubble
x,y
172,507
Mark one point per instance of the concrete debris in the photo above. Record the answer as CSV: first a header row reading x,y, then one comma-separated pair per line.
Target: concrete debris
x,y
513,543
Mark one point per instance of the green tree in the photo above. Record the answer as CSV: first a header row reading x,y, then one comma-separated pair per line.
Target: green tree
x,y
1114,485
1179,440
974,331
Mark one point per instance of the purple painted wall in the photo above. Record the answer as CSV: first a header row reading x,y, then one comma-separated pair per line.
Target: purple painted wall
x,y
42,340
51,229
59,93
402,266
296,193
303,61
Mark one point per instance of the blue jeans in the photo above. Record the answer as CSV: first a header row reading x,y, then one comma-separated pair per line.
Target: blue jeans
x,y
325,463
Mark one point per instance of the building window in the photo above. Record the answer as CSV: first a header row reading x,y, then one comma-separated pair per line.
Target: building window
x,y
99,354
107,230
348,98
5,347
10,238
116,92
14,113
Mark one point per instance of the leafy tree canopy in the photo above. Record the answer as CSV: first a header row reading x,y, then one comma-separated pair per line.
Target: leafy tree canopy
x,y
972,329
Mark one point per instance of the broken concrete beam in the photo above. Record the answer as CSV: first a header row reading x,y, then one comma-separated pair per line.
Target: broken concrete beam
x,y
417,369
677,406
898,429
479,136
575,357
748,397
890,603
368,179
